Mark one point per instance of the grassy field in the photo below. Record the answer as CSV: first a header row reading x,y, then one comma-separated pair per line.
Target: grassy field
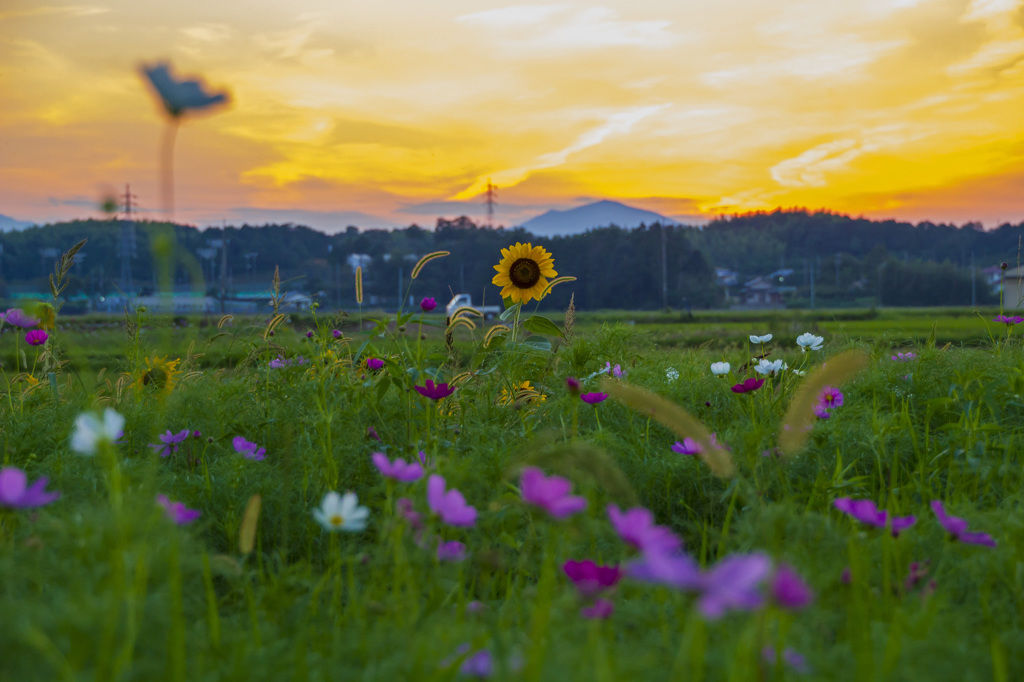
x,y
756,574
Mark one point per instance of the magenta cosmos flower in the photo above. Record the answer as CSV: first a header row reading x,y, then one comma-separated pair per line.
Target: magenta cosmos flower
x,y
435,391
573,385
1016,319
16,317
451,551
427,304
374,364
550,493
599,610
177,511
36,337
748,385
397,470
449,505
691,447
249,450
830,397
17,494
593,398
636,527
169,442
866,512
957,527
789,590
590,578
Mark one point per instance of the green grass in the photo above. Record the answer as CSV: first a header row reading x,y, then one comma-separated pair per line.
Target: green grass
x,y
100,585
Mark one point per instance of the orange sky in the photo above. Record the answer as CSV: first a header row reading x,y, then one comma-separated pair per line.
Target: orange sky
x,y
401,111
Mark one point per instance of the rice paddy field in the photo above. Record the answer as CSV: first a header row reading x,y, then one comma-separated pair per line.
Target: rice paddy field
x,y
574,496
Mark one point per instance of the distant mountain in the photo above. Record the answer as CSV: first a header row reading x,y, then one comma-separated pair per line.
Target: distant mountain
x,y
8,223
598,214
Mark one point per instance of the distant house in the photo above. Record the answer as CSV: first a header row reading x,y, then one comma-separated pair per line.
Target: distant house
x,y
993,278
1013,288
769,291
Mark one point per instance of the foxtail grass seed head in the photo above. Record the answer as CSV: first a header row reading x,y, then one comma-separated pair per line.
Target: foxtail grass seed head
x,y
359,284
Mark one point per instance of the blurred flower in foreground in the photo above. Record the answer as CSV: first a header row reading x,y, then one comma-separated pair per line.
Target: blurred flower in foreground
x,y
16,493
341,512
180,96
177,511
16,317
957,527
450,505
90,432
550,493
398,470
636,527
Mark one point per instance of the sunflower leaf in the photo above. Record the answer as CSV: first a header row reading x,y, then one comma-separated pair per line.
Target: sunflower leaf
x,y
538,343
507,301
542,325
510,309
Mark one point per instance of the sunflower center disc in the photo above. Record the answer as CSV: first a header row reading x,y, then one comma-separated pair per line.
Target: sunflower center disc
x,y
524,273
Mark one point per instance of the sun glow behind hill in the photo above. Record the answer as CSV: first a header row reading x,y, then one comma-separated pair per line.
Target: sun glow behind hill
x,y
402,111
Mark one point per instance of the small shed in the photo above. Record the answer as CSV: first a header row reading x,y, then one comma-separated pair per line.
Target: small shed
x,y
1013,288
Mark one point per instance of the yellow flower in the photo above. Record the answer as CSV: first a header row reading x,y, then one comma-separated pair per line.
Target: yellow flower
x,y
160,374
525,393
522,272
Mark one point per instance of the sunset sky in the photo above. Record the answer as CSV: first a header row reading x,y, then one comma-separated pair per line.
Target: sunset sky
x,y
394,112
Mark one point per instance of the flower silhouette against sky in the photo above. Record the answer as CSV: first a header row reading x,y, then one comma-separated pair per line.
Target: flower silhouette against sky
x,y
180,96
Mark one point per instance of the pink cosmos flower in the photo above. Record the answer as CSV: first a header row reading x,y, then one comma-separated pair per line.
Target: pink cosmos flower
x,y
866,512
427,304
615,371
248,450
830,397
16,317
17,494
449,505
688,447
177,511
593,398
451,551
821,412
408,512
733,584
748,385
1015,319
789,590
675,569
636,527
550,493
435,391
36,337
169,442
372,433
374,364
957,527
904,357
397,470
337,333
573,384
590,578
601,609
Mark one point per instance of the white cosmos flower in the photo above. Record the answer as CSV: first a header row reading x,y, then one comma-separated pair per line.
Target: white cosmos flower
x,y
799,372
768,367
341,512
760,339
808,340
90,431
672,374
719,368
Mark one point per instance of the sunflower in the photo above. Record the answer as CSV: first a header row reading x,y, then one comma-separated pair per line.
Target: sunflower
x,y
522,272
160,374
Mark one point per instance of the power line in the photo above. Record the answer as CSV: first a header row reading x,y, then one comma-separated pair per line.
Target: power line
x,y
128,203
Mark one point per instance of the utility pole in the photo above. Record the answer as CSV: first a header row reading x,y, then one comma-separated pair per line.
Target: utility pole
x,y
224,267
664,268
490,199
974,286
127,239
399,307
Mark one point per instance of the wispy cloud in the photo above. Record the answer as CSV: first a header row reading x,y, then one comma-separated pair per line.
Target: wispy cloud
x,y
810,168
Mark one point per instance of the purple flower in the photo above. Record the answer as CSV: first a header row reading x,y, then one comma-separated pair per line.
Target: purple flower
x,y
249,450
636,527
957,527
830,397
17,494
280,361
593,398
675,569
169,442
337,333
864,511
480,664
197,434
16,317
374,364
615,371
451,551
599,610
573,384
549,493
901,523
791,657
177,511
688,447
821,412
36,337
590,578
748,385
435,391
427,304
451,505
309,334
398,470
904,357
372,433
789,590
1016,319
734,584
407,512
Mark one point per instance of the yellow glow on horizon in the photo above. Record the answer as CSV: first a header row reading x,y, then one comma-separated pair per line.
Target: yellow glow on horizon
x,y
404,111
